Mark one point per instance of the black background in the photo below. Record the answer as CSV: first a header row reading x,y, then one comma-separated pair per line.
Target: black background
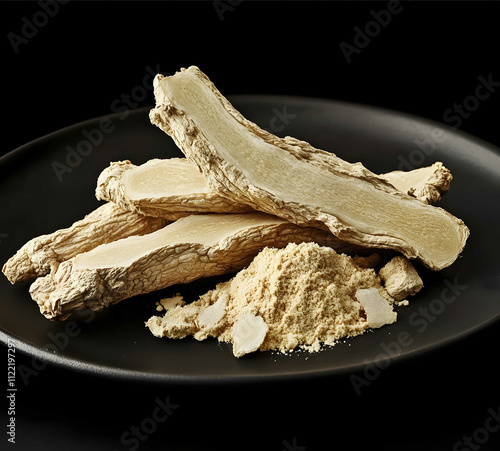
x,y
426,60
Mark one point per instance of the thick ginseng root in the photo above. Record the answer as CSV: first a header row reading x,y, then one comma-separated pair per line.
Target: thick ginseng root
x,y
191,248
174,188
291,179
168,189
171,189
105,224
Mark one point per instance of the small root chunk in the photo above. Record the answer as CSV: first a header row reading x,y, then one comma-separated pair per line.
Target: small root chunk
x,y
400,278
248,334
378,310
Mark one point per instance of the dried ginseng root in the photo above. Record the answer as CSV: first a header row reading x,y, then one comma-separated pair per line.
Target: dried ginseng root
x,y
427,184
171,188
105,224
400,278
174,188
191,248
291,179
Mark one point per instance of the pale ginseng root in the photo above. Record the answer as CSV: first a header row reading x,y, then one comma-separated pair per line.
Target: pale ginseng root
x,y
400,278
191,248
170,189
107,223
291,179
427,184
174,188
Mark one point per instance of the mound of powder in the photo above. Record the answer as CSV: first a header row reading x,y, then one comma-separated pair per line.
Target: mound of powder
x,y
303,295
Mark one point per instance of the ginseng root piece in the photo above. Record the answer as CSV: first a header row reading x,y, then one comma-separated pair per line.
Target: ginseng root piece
x,y
105,224
400,278
191,248
249,331
291,179
174,188
427,184
170,188
378,310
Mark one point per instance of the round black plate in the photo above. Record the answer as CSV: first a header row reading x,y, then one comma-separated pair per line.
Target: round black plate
x,y
49,183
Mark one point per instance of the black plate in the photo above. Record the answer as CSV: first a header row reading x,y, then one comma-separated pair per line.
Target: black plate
x,y
47,184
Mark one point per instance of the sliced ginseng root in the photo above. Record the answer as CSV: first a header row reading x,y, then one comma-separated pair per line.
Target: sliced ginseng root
x,y
191,248
105,224
291,179
174,188
171,188
427,184
303,295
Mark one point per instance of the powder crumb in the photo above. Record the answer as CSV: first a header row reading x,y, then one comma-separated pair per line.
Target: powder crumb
x,y
169,303
304,294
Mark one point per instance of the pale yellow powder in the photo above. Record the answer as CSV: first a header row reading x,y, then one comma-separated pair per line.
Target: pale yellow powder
x,y
305,294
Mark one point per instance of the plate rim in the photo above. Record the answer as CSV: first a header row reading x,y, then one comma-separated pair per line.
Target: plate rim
x,y
266,97
109,372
